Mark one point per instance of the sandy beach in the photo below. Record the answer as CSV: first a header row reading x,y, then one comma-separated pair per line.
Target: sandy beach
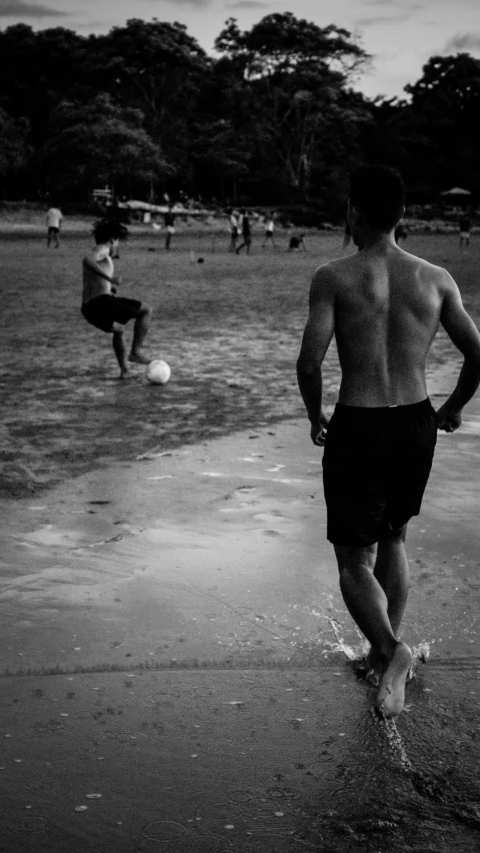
x,y
176,659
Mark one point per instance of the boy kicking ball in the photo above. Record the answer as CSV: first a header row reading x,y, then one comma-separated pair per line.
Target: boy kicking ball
x,y
100,305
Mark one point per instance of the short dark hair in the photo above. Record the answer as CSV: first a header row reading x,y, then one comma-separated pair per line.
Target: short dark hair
x,y
378,192
109,229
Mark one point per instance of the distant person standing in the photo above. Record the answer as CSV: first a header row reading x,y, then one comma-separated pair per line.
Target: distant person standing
x,y
246,233
233,222
464,226
169,220
54,221
269,229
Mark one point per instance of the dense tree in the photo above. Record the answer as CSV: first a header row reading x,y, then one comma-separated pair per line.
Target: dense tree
x,y
159,69
442,124
37,70
295,107
271,118
100,144
13,145
434,138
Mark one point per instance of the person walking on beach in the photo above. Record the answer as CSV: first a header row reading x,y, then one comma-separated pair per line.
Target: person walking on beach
x,y
169,221
384,307
233,222
246,233
464,226
54,221
269,229
101,307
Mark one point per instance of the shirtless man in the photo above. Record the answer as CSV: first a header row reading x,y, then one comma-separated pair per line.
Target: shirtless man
x,y
384,307
101,307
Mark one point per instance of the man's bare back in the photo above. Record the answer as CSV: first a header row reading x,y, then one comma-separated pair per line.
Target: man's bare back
x,y
384,307
387,310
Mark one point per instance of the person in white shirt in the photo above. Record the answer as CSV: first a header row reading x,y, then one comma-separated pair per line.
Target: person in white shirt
x,y
269,229
54,220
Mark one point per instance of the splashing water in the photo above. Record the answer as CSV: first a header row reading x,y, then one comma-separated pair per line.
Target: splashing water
x,y
351,652
395,742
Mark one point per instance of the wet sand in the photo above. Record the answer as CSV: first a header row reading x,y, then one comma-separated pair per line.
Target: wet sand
x,y
173,639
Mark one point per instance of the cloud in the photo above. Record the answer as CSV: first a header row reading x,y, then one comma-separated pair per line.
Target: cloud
x,y
378,20
196,4
397,4
247,4
23,9
462,43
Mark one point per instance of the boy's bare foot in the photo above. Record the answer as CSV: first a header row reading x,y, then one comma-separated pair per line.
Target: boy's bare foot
x,y
139,357
124,373
391,694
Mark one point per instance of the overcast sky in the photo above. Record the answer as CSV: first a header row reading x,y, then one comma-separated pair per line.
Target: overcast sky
x,y
401,35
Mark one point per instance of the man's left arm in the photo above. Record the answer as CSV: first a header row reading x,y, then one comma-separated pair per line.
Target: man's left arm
x,y
316,340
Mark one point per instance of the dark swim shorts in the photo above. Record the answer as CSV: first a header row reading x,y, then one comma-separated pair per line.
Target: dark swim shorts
x,y
376,466
103,311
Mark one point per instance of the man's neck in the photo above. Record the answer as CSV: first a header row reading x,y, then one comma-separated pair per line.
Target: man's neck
x,y
377,240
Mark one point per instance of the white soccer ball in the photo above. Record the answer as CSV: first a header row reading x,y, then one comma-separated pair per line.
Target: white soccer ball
x,y
158,372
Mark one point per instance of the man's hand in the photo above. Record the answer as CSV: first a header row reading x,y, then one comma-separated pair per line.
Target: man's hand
x,y
116,280
449,419
318,431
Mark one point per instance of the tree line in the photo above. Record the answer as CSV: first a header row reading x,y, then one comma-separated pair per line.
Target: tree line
x,y
271,119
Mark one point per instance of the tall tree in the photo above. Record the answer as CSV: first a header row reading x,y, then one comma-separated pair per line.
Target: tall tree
x,y
13,145
157,68
441,126
294,78
101,143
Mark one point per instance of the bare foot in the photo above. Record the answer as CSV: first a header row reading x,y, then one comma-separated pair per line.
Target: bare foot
x,y
125,373
374,668
391,694
139,357
369,668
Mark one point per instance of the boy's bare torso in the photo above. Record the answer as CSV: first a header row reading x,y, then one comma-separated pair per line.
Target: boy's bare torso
x,y
387,308
97,274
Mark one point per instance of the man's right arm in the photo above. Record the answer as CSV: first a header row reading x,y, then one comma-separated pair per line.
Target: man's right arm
x,y
316,340
463,332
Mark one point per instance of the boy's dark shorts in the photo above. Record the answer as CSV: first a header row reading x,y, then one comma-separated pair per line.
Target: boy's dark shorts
x,y
103,311
376,465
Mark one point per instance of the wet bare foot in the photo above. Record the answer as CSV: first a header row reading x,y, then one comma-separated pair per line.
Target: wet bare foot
x,y
391,694
374,668
369,668
139,357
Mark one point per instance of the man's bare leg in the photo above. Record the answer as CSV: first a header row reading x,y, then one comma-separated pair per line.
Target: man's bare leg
x,y
120,352
140,329
368,605
392,572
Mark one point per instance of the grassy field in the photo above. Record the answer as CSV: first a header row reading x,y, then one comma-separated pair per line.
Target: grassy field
x,y
229,327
